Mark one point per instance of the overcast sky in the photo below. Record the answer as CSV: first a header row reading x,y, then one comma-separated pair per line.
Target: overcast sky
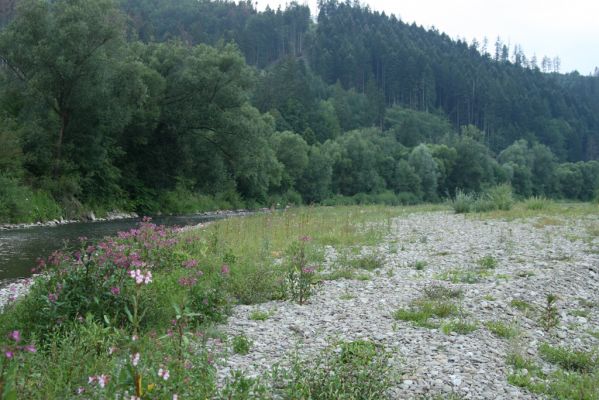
x,y
568,29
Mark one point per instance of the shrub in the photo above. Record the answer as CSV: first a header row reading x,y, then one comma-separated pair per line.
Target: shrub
x,y
462,202
241,344
537,203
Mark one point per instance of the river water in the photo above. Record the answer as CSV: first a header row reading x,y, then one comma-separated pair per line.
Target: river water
x,y
20,248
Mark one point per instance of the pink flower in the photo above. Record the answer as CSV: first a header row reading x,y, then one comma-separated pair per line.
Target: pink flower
x,y
305,238
52,297
115,291
225,269
308,270
135,359
164,374
15,335
92,379
112,350
9,354
175,397
103,380
30,348
190,263
80,390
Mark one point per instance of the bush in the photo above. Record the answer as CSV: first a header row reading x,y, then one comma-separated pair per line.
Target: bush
x,y
537,203
21,204
462,202
501,197
497,198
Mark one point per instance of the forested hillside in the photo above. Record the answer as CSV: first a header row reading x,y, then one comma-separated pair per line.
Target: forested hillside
x,y
178,106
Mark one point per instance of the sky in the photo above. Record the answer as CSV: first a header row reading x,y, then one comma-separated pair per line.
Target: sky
x,y
567,29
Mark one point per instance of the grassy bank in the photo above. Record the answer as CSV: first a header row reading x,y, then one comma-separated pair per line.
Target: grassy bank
x,y
138,314
129,308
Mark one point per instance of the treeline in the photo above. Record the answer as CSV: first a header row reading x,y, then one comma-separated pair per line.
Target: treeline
x,y
182,106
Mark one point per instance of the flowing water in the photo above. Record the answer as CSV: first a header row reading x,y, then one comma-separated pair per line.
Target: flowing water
x,y
20,248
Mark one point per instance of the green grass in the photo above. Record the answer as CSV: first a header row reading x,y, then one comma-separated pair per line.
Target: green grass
x,y
487,262
521,305
241,344
458,326
464,275
570,360
258,315
418,265
346,370
437,302
501,329
368,262
576,378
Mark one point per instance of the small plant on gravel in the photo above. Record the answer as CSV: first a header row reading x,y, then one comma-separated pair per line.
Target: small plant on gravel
x,y
299,273
437,301
259,315
487,262
525,274
550,315
241,344
501,329
489,297
466,275
417,265
440,292
348,370
459,326
521,305
369,262
570,360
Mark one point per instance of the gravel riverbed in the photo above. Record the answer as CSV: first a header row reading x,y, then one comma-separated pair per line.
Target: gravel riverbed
x,y
534,258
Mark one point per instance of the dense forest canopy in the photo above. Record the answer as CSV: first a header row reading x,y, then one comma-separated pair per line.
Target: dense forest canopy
x,y
179,105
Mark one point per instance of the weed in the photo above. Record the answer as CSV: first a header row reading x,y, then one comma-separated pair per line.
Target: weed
x,y
347,296
521,305
440,292
550,315
458,326
241,344
258,315
469,276
489,297
525,274
417,265
501,329
537,203
421,311
487,262
347,370
580,313
368,262
571,360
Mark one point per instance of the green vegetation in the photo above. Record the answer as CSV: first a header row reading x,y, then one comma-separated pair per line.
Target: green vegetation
x,y
142,305
464,275
458,326
108,105
258,315
346,370
437,302
576,377
241,344
487,262
501,329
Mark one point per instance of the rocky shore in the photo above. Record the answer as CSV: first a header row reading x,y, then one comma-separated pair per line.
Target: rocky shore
x,y
532,259
89,217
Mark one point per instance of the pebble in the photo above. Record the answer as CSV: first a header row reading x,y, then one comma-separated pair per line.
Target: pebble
x,y
532,262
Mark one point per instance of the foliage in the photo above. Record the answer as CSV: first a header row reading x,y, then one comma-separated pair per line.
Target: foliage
x,y
348,370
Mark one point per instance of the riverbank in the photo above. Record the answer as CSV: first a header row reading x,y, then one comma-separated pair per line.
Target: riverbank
x,y
420,302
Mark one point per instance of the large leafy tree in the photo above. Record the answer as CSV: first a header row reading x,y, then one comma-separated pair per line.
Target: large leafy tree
x,y
66,58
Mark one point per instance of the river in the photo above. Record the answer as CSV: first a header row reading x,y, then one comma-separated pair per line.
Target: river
x,y
20,248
